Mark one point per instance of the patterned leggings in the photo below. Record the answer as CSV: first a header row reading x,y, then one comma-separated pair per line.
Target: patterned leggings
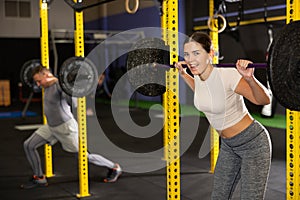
x,y
245,157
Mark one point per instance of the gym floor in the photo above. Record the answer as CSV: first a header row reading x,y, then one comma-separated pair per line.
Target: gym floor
x,y
196,181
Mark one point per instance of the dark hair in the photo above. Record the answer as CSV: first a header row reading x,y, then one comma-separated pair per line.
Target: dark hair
x,y
38,69
202,38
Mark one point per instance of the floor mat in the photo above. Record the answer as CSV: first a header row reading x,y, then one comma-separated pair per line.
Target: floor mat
x,y
16,114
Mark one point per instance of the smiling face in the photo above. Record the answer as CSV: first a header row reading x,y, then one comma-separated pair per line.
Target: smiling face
x,y
196,57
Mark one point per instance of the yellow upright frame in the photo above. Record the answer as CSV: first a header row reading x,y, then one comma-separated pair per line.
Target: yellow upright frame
x,y
81,113
45,62
293,160
165,95
292,127
171,101
214,136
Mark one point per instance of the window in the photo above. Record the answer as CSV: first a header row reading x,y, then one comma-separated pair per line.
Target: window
x,y
16,8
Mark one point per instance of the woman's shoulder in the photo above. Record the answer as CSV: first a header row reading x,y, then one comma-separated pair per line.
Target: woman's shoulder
x,y
227,71
230,76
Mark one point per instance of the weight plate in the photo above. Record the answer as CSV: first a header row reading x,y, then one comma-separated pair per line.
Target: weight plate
x,y
142,74
284,66
78,76
26,74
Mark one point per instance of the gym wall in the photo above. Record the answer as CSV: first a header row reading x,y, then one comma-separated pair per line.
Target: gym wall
x,y
21,34
20,30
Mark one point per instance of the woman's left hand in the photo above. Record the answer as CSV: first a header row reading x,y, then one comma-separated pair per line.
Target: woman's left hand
x,y
242,65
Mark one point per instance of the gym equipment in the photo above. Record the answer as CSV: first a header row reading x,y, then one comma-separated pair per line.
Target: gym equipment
x,y
26,75
145,52
135,8
284,66
80,6
77,77
269,109
150,57
210,23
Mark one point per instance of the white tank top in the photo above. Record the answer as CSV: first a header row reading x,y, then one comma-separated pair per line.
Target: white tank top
x,y
216,98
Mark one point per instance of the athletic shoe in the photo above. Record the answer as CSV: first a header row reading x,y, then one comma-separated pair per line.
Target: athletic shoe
x,y
35,182
113,174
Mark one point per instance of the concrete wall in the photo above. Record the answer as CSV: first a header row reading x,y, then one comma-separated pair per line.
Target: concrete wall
x,y
60,16
21,36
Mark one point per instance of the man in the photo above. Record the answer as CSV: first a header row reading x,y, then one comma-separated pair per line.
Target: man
x,y
61,126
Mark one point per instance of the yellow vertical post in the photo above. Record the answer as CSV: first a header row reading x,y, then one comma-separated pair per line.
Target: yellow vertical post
x,y
214,136
293,159
292,127
81,113
165,95
171,102
163,21
45,63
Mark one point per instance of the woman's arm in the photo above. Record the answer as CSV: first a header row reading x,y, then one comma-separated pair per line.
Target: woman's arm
x,y
186,77
249,86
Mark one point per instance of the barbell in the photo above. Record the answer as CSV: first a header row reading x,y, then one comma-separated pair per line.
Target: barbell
x,y
149,58
77,76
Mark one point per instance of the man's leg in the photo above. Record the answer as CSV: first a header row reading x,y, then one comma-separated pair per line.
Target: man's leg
x,y
114,169
67,135
33,157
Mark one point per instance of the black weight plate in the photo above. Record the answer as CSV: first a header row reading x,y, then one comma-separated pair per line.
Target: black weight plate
x,y
26,74
78,76
284,66
142,74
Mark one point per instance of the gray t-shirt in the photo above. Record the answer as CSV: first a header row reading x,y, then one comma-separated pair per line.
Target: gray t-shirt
x,y
57,105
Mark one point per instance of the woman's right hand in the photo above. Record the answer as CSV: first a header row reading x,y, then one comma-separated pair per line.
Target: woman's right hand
x,y
181,69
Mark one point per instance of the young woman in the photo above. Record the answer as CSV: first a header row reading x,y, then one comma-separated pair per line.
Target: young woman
x,y
245,152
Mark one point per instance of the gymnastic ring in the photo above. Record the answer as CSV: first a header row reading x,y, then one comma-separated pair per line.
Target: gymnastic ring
x,y
215,17
134,9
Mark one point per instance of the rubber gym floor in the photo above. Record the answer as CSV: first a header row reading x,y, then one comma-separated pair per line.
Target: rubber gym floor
x,y
195,180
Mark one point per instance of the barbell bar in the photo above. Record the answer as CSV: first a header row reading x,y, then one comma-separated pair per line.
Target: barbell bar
x,y
252,65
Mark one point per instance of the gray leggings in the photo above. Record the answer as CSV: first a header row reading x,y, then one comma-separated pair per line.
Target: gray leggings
x,y
245,157
35,141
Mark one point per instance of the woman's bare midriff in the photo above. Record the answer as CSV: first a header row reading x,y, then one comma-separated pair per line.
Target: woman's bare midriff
x,y
237,128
